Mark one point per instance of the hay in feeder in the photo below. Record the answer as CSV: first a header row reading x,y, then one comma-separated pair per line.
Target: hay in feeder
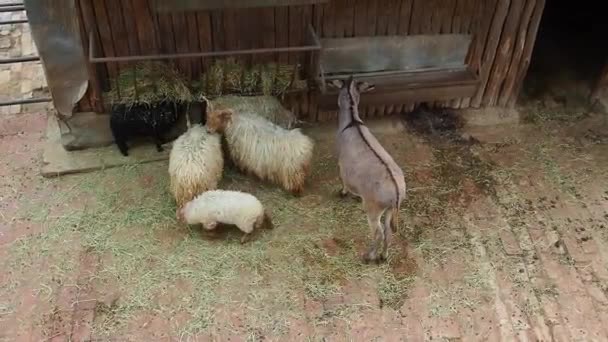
x,y
232,77
267,107
233,73
147,83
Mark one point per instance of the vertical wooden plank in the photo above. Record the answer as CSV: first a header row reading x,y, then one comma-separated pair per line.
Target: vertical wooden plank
x,y
329,29
392,27
448,17
317,19
405,17
231,37
384,9
193,45
338,18
145,26
97,72
518,50
165,31
105,34
447,20
349,18
281,19
217,29
372,29
436,13
504,53
130,25
268,28
181,37
295,31
417,18
203,20
477,21
456,27
307,19
360,18
118,30
489,53
527,54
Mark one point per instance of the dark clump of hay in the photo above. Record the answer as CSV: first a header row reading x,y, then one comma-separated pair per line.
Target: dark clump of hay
x,y
433,122
147,83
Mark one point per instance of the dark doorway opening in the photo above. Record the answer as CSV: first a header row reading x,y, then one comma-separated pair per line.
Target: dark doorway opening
x,y
570,53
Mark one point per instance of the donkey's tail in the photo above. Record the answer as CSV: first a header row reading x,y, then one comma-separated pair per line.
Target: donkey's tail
x,y
394,223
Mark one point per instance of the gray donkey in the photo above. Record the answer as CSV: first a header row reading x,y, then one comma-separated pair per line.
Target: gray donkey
x,y
367,170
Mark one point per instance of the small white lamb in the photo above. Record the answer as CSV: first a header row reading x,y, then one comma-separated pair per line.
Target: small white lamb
x,y
229,207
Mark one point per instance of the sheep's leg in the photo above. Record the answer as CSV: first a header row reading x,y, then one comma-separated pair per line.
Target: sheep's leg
x,y
158,140
120,138
246,237
374,216
121,142
122,146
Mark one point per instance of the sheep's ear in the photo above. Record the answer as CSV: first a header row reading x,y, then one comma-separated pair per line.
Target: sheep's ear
x,y
226,115
364,87
336,84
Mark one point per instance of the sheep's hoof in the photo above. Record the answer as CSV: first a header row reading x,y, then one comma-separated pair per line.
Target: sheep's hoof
x,y
342,193
245,238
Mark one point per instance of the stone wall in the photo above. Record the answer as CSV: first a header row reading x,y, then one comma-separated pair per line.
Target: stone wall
x,y
20,80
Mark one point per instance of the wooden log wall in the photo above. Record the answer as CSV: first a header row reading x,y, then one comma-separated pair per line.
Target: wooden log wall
x,y
504,33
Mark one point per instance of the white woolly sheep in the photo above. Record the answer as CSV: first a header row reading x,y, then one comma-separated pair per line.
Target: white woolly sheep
x,y
267,107
260,147
196,163
228,207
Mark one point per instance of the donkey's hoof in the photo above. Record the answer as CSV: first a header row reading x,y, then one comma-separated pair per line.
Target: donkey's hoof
x,y
372,257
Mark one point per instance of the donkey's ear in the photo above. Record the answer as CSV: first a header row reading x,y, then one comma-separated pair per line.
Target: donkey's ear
x,y
363,87
336,84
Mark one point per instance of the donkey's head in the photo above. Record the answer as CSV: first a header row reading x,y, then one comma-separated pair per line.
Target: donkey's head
x,y
349,97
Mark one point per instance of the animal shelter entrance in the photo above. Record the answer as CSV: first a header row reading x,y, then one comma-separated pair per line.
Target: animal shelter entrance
x,y
570,54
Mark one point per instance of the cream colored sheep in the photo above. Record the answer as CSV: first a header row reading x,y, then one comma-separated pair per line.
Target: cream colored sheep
x,y
228,207
268,107
260,147
196,164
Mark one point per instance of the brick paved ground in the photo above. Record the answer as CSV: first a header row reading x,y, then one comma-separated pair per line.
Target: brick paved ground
x,y
507,237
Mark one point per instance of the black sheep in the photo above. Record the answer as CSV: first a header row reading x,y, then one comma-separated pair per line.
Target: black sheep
x,y
153,120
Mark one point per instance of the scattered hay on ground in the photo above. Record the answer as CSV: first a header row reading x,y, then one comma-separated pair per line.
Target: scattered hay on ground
x,y
129,223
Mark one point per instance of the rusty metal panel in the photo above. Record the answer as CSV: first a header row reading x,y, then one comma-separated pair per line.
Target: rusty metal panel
x,y
394,53
55,29
198,5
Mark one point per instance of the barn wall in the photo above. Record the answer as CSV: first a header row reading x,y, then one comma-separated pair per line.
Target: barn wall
x,y
504,32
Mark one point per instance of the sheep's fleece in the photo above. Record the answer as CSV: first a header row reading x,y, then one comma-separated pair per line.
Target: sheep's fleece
x,y
223,206
196,164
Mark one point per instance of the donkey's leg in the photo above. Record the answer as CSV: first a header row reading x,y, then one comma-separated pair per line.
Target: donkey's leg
x,y
387,233
343,190
374,216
